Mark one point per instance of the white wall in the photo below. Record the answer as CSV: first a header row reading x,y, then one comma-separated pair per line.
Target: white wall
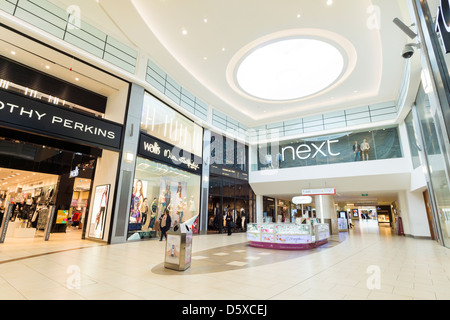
x,y
413,213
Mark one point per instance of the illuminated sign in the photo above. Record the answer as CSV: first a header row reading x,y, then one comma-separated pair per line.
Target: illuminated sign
x,y
312,150
302,200
319,192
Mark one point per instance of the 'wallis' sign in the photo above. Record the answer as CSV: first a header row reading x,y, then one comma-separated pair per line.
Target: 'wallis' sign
x,y
443,24
152,148
30,115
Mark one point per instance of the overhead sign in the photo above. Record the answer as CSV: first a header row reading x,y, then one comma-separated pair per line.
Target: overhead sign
x,y
319,192
302,200
152,148
25,114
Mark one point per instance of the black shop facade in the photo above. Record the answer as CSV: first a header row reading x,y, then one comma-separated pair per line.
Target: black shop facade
x,y
48,160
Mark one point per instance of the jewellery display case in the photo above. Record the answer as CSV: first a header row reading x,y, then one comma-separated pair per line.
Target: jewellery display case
x,y
288,236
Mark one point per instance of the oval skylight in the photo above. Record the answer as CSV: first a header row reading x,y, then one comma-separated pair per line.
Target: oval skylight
x,y
290,69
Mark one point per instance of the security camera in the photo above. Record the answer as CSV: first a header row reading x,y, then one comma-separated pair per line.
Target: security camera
x,y
408,50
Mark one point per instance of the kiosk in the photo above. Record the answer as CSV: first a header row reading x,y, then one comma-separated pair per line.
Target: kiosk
x,y
288,236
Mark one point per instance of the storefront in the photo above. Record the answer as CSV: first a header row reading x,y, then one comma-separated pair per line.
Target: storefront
x,y
353,146
430,116
229,190
49,150
168,170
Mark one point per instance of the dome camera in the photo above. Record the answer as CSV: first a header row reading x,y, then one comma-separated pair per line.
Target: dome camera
x,y
408,50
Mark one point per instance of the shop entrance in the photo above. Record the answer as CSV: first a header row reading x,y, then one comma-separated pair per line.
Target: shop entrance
x,y
33,179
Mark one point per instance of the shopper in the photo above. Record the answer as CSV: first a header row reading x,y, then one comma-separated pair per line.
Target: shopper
x,y
229,220
166,221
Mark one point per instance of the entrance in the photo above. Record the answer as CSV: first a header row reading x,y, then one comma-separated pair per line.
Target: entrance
x,y
33,179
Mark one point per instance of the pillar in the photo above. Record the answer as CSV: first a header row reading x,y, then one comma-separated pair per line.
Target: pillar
x,y
259,209
127,166
203,219
326,212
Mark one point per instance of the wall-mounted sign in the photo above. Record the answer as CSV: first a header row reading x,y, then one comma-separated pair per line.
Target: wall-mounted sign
x,y
319,192
31,115
443,24
302,200
311,150
152,148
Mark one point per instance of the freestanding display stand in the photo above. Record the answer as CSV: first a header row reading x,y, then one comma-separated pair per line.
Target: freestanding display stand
x,y
178,250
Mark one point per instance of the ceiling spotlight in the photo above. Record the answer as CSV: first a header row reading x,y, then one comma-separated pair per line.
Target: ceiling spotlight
x,y
329,2
184,32
13,53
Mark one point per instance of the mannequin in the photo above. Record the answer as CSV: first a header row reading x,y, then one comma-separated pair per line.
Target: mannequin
x,y
154,207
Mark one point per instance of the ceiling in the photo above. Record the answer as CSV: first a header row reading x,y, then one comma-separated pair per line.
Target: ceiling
x,y
198,43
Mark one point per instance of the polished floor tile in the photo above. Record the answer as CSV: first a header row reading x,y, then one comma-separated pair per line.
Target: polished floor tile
x,y
368,263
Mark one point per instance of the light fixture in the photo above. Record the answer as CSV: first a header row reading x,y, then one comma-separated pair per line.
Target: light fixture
x,y
290,69
129,157
184,32
329,2
13,53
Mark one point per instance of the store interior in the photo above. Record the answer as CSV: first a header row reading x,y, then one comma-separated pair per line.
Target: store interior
x,y
31,194
55,178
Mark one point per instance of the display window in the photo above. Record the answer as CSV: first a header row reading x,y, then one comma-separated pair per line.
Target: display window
x,y
162,122
158,187
358,146
57,179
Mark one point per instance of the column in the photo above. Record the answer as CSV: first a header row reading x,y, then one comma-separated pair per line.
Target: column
x,y
203,219
127,166
259,209
326,212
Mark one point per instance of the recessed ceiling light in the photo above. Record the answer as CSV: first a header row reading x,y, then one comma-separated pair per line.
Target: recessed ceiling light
x,y
77,79
205,20
47,67
298,16
290,69
13,53
329,2
184,32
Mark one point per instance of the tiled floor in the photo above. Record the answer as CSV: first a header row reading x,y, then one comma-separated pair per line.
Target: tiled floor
x,y
369,263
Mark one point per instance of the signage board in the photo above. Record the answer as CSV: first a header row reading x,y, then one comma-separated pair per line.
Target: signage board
x,y
302,200
443,24
153,148
30,115
319,192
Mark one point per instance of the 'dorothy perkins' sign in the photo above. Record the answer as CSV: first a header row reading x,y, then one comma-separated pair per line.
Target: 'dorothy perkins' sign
x,y
22,113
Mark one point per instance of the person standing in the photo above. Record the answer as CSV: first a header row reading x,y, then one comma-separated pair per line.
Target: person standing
x,y
229,220
166,221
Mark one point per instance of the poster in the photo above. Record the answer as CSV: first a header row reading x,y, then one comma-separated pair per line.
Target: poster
x,y
173,246
137,199
99,210
174,196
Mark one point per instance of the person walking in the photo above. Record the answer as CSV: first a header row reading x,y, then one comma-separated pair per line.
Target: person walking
x,y
166,221
229,220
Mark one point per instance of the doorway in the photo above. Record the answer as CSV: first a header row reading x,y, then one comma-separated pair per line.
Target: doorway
x,y
34,179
